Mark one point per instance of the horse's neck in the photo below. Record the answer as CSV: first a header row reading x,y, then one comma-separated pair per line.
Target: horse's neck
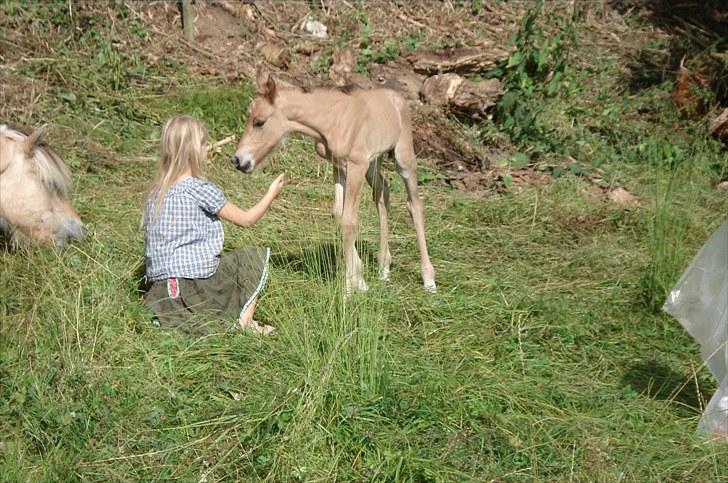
x,y
314,114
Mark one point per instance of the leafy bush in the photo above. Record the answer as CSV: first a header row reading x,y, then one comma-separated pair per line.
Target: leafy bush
x,y
534,70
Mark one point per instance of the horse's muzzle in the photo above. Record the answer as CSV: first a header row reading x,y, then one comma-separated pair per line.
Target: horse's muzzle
x,y
71,228
243,164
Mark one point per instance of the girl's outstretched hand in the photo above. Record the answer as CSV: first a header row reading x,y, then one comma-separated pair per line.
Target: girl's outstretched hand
x,y
276,186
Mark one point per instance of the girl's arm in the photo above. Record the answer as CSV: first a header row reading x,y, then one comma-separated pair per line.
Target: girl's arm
x,y
233,214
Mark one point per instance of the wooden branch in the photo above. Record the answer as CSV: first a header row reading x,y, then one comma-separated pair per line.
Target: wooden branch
x,y
461,60
222,142
719,126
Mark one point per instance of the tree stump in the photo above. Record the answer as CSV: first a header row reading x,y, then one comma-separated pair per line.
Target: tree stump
x,y
188,20
470,98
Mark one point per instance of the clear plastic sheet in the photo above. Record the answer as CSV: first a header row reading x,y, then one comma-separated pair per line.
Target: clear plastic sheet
x,y
699,301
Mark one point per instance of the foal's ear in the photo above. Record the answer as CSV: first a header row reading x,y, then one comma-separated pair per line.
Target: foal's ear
x,y
271,89
34,139
261,78
265,84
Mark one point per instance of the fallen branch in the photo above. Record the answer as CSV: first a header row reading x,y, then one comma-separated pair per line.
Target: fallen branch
x,y
461,60
216,146
719,126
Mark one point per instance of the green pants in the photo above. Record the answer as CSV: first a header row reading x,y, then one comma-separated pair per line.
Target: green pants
x,y
186,303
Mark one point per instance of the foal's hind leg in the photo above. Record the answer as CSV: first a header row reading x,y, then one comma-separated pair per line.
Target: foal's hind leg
x,y
380,191
353,261
406,162
355,173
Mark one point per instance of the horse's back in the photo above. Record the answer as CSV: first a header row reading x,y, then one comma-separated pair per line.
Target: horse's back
x,y
386,111
383,99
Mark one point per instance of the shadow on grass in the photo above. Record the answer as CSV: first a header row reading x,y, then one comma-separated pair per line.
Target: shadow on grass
x,y
658,381
6,243
140,276
323,260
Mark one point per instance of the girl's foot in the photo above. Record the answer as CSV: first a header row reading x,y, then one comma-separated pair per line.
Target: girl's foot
x,y
262,329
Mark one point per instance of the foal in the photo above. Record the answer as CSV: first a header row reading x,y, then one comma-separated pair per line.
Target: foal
x,y
352,128
34,181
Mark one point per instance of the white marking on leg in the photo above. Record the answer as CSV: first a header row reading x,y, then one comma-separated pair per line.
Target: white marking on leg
x,y
338,208
430,286
384,274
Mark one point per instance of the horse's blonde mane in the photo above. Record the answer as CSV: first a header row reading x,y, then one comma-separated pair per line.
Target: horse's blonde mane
x,y
50,168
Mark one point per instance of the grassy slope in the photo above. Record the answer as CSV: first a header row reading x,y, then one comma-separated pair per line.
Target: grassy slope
x,y
536,360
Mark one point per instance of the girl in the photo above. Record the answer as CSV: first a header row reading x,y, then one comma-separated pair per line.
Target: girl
x,y
184,237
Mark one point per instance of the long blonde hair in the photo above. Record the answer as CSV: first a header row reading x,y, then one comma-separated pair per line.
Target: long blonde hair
x,y
183,145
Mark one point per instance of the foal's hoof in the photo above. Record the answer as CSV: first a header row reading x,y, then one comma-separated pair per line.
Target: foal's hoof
x,y
430,286
384,275
357,286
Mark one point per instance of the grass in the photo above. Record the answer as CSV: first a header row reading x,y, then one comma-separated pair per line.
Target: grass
x,y
539,359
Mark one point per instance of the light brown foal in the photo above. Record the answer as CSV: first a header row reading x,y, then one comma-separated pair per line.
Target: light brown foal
x,y
352,128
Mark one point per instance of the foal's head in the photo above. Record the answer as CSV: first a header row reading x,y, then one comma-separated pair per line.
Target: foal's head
x,y
34,181
265,129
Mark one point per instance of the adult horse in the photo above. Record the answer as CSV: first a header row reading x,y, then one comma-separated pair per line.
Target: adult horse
x,y
34,182
352,128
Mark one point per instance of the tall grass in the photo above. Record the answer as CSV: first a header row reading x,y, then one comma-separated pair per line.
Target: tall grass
x,y
668,225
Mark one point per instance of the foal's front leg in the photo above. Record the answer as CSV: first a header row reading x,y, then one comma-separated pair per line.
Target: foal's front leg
x,y
339,182
354,181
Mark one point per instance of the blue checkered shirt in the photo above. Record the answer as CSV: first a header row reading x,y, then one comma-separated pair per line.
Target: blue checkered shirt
x,y
185,239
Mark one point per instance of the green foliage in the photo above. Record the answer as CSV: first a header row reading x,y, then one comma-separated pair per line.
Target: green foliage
x,y
321,63
411,41
371,53
533,71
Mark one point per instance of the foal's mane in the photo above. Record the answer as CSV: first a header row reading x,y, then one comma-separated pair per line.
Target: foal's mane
x,y
47,164
347,89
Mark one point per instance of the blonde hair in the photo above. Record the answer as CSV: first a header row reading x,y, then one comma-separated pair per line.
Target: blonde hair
x,y
183,146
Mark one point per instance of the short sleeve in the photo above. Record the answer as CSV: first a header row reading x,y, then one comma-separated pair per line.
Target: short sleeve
x,y
208,196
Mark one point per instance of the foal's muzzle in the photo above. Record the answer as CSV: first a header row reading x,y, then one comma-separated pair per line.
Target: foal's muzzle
x,y
242,164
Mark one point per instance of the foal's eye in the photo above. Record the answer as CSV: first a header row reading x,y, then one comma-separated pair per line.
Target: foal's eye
x,y
258,123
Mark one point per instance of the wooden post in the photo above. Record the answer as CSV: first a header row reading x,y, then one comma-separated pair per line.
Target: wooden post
x,y
187,20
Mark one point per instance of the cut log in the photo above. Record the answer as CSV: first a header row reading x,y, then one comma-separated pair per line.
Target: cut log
x,y
719,126
458,60
474,99
470,98
440,89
